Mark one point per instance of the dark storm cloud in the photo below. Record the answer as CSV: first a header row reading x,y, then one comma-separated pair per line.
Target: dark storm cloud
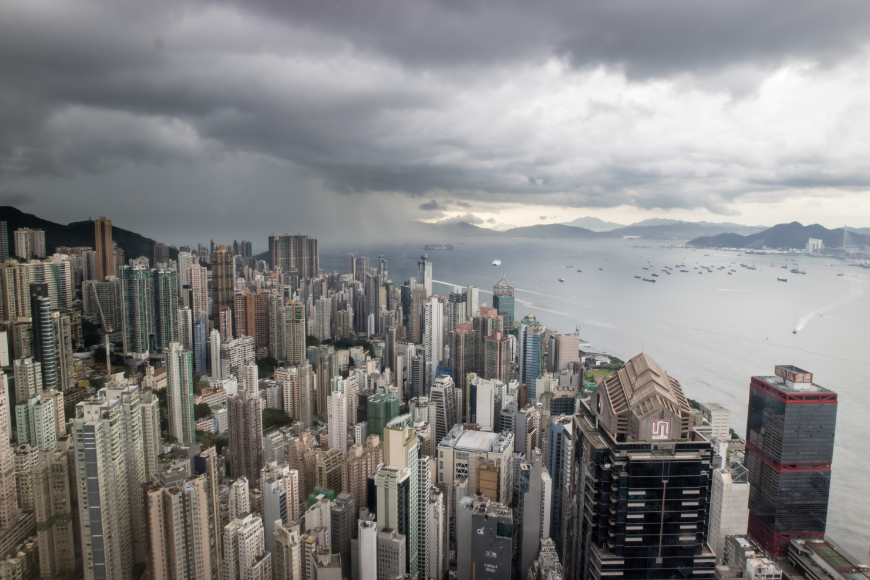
x,y
452,101
433,205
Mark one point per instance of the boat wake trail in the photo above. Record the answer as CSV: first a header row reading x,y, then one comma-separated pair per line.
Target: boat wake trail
x,y
857,290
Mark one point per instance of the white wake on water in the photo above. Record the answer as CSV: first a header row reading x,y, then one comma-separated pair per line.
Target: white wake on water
x,y
857,290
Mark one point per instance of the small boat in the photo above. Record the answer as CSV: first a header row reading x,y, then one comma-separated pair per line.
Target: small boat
x,y
794,331
496,262
561,279
646,268
638,277
603,268
648,280
839,274
729,273
579,270
782,279
686,271
656,275
569,266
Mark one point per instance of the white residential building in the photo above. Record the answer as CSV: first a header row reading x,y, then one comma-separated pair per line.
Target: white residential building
x,y
245,556
729,507
433,338
336,410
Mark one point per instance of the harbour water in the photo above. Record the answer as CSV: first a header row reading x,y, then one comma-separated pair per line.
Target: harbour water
x,y
711,331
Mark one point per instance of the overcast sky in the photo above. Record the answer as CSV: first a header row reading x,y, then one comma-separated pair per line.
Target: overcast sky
x,y
191,120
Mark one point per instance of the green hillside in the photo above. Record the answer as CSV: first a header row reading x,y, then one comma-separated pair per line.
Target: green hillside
x,y
76,234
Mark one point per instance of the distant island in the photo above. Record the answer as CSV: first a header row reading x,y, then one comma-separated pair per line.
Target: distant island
x,y
793,236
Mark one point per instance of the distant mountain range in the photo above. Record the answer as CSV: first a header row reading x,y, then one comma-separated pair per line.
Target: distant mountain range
x,y
76,234
656,228
791,236
664,228
594,224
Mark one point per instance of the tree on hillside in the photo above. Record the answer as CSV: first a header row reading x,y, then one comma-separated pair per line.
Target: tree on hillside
x,y
275,418
201,410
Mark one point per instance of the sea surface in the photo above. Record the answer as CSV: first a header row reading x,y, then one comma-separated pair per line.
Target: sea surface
x,y
711,331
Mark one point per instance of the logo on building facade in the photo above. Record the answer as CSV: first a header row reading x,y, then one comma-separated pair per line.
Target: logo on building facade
x,y
660,428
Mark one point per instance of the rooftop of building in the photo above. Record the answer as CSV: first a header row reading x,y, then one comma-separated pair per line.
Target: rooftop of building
x,y
714,407
781,384
822,551
476,441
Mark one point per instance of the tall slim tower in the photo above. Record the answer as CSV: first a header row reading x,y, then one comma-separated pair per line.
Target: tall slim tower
x,y
294,332
424,274
223,276
165,289
416,317
336,410
179,393
433,339
461,343
445,407
151,434
43,337
503,301
137,310
214,344
246,436
789,446
277,348
4,242
104,248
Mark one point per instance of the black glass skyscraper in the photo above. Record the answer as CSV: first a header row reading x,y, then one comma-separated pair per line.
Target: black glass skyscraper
x,y
640,482
789,448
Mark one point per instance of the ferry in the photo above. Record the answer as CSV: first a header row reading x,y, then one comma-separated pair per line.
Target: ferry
x,y
496,262
781,279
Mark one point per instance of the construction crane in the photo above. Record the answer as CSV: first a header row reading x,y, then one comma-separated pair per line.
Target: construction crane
x,y
106,330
